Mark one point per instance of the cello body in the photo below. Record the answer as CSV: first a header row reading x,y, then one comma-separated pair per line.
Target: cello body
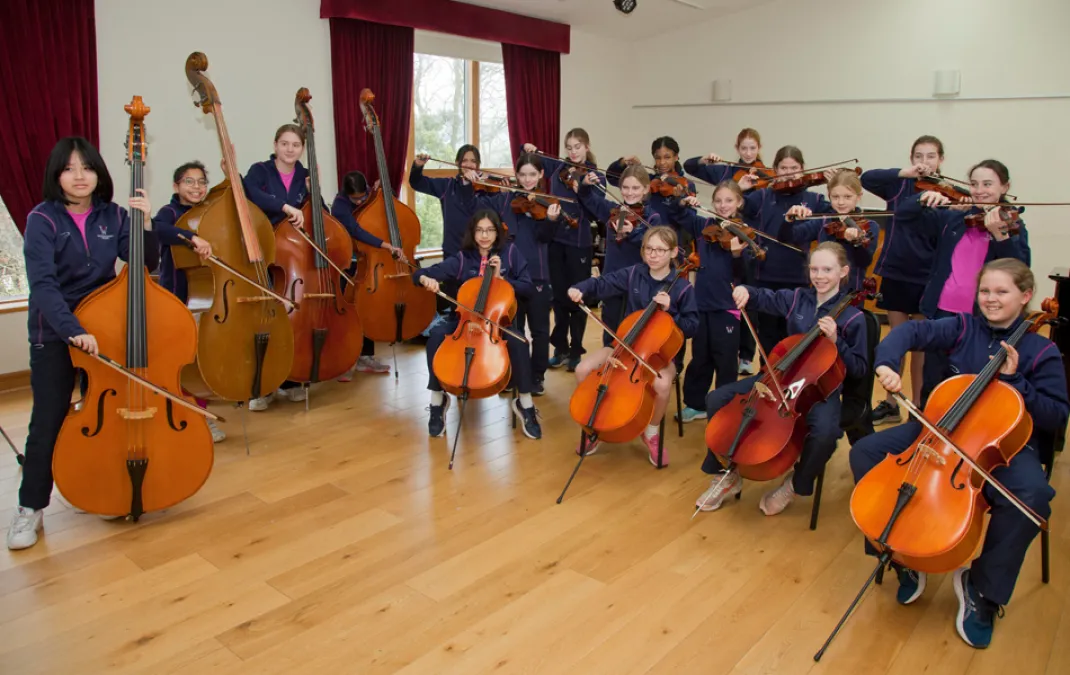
x,y
942,525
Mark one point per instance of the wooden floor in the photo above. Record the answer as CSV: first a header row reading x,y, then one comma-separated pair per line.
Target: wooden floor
x,y
342,544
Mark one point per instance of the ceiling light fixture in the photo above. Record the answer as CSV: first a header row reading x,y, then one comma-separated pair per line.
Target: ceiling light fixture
x,y
626,6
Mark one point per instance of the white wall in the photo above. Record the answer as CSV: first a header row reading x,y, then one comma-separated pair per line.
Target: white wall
x,y
844,49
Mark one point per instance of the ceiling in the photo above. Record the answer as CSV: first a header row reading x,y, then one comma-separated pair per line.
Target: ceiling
x,y
602,18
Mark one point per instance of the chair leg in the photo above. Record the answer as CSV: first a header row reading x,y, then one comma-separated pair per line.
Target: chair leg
x,y
817,499
1045,544
679,406
512,413
661,443
880,576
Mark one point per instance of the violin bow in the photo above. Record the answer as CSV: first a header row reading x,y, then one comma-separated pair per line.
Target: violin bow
x,y
538,194
483,317
486,171
263,289
570,162
610,195
757,232
948,179
149,385
319,251
620,342
1022,506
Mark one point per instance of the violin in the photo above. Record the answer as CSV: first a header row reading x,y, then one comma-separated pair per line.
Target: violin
x,y
572,173
537,206
493,183
762,173
626,215
671,184
126,450
727,230
956,193
1008,217
761,433
804,181
692,263
837,228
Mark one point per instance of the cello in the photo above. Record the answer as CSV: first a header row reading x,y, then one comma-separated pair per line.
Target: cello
x,y
327,331
392,308
245,344
121,454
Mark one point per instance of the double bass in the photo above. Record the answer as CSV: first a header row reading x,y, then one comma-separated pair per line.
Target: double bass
x,y
392,308
245,342
128,450
327,330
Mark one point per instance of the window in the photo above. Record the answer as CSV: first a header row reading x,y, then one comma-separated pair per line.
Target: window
x,y
455,102
13,283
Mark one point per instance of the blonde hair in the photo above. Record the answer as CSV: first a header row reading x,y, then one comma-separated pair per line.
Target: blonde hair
x,y
1017,270
637,172
848,179
666,234
730,185
837,250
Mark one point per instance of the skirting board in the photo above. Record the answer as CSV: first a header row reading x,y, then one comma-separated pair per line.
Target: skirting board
x,y
13,381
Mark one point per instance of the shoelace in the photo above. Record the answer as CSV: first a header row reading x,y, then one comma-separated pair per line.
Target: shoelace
x,y
23,522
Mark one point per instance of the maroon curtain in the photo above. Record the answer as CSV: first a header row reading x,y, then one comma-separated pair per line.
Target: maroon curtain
x,y
49,84
372,56
532,97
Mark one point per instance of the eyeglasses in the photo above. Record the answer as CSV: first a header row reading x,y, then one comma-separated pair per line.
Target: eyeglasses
x,y
656,251
190,182
484,230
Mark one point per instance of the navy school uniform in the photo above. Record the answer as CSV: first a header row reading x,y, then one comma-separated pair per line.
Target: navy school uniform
x,y
264,187
532,237
799,307
906,257
859,257
715,173
715,348
782,268
461,267
62,271
1040,379
664,207
163,224
571,256
459,203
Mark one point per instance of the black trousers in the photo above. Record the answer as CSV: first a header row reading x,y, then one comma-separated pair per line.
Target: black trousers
x,y
368,349
937,366
568,266
52,381
771,328
714,352
612,315
534,313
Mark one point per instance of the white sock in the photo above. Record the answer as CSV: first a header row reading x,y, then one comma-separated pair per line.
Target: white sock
x,y
651,431
526,402
437,397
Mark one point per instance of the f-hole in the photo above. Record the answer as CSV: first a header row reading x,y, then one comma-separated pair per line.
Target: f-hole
x,y
100,414
171,418
226,302
957,486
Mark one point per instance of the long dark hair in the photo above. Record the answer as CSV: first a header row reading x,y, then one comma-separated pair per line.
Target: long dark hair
x,y
469,242
669,143
60,157
354,183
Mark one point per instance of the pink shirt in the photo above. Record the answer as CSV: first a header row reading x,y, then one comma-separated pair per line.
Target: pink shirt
x,y
287,179
79,220
960,289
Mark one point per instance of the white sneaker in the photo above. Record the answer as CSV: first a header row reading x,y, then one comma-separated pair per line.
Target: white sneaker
x,y
745,367
24,526
721,487
775,501
218,435
295,394
260,404
370,364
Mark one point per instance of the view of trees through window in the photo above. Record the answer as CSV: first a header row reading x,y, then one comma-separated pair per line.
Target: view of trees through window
x,y
447,114
13,282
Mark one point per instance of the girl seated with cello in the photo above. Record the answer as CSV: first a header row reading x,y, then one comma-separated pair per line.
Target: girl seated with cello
x,y
521,212
354,193
484,246
626,223
803,308
279,186
969,235
72,241
638,285
191,187
712,169
1034,368
845,192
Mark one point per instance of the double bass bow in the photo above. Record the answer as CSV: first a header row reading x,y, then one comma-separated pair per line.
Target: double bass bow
x,y
327,331
121,454
245,341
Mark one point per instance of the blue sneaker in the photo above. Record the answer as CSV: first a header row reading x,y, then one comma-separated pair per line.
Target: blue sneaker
x,y
529,420
911,584
977,615
557,360
436,423
690,415
573,363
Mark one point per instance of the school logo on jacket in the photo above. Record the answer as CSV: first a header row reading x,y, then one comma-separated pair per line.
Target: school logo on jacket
x,y
729,329
103,233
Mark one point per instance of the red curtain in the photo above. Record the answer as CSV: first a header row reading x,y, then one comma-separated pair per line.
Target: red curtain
x,y
380,58
532,97
49,85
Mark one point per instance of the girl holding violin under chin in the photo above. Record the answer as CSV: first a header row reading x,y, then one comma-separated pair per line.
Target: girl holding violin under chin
x,y
456,195
571,252
712,169
638,285
626,223
715,348
802,308
969,235
666,153
71,243
845,192
521,212
484,248
1033,367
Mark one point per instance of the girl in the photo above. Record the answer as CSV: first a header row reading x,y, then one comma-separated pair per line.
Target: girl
x,y
532,237
570,252
845,191
456,195
715,349
803,308
623,239
666,152
354,193
484,245
191,187
962,250
639,285
906,258
749,147
279,187
72,241
1034,367
782,268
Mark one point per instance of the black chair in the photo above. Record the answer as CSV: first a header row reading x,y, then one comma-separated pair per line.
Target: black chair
x,y
1047,445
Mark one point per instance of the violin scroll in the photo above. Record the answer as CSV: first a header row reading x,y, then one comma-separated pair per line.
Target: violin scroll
x,y
1049,313
867,292
196,64
304,115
